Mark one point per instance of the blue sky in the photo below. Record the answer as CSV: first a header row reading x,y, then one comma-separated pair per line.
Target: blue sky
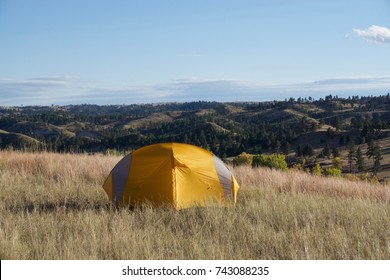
x,y
115,52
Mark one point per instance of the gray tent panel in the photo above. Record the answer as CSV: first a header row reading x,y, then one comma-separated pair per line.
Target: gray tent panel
x,y
224,175
119,175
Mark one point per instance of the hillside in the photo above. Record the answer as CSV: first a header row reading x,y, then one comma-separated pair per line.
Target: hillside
x,y
226,129
18,140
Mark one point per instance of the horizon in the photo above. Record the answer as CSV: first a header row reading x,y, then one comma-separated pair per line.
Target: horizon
x,y
306,99
132,52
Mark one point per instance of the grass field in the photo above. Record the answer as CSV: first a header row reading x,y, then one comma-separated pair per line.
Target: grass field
x,y
53,207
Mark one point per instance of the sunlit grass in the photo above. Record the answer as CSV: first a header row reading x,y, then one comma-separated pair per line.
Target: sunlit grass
x,y
53,207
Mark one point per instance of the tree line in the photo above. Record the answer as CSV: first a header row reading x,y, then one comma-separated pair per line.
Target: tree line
x,y
226,129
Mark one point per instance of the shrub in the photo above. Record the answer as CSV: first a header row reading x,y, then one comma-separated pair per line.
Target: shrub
x,y
337,163
277,161
243,159
317,169
296,167
367,177
351,177
332,171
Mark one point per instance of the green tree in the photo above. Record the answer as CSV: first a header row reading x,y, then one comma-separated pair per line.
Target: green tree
x,y
341,140
351,155
277,146
308,150
298,151
286,148
337,123
360,160
374,152
335,152
326,151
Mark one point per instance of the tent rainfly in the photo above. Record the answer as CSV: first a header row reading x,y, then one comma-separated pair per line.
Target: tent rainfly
x,y
179,175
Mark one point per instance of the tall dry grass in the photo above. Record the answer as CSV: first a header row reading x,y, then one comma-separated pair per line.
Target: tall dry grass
x,y
53,207
301,182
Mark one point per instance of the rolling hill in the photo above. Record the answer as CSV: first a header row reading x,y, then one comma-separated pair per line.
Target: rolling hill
x,y
226,129
17,140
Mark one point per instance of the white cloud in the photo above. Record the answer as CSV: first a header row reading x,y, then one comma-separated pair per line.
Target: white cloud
x,y
374,34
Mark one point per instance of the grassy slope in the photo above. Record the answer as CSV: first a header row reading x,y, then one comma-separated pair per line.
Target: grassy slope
x,y
235,117
53,207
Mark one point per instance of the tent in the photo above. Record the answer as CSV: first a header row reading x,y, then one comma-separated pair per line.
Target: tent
x,y
179,175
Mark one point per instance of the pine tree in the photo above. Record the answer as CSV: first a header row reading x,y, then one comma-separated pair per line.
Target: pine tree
x,y
351,155
298,151
326,151
337,123
335,152
373,151
360,160
377,159
308,150
286,148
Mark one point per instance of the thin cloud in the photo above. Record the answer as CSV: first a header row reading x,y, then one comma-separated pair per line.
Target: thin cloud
x,y
374,34
68,90
33,84
39,90
358,81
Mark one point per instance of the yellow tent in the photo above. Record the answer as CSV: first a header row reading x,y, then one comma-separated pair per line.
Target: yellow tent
x,y
176,174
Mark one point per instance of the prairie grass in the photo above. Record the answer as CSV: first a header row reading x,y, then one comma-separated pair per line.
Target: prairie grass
x,y
53,207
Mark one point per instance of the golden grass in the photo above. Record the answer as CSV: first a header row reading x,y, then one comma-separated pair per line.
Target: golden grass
x,y
301,182
53,207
